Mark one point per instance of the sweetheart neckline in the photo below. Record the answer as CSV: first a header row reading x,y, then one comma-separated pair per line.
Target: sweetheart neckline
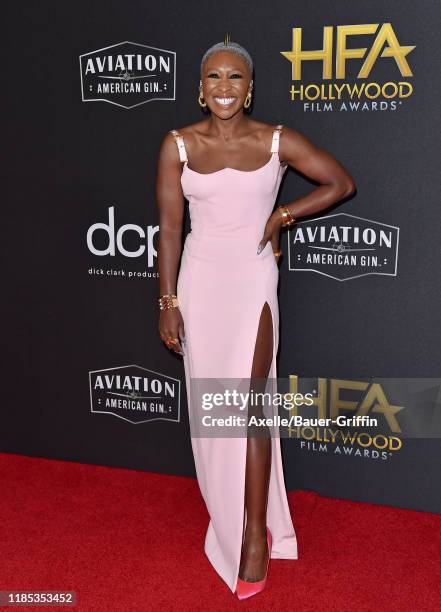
x,y
234,169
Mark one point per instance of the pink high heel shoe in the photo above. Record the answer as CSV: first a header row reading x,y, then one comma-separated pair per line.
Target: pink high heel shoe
x,y
246,589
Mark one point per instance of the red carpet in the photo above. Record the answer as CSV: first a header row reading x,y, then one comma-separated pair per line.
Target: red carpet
x,y
130,540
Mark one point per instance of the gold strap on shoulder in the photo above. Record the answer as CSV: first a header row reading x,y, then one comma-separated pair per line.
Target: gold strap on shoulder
x,y
181,145
276,138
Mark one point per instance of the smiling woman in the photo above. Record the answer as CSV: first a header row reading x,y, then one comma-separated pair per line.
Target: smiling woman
x,y
224,101
221,311
234,72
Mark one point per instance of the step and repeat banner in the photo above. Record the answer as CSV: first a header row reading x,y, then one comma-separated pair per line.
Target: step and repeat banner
x,y
91,91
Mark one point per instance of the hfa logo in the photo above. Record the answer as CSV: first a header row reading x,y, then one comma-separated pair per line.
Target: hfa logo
x,y
334,62
128,74
404,408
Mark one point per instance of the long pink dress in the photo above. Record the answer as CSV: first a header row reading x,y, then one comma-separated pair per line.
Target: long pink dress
x,y
222,287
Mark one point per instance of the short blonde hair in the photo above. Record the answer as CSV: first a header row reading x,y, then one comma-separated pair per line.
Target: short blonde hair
x,y
230,46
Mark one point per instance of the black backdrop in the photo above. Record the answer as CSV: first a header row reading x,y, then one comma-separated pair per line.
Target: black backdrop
x,y
75,156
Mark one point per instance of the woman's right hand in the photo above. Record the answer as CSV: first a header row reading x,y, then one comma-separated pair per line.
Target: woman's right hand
x,y
171,327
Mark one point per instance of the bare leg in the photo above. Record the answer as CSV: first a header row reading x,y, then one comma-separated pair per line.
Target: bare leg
x,y
258,463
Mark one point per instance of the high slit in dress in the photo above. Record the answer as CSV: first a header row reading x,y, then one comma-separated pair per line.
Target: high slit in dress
x,y
222,287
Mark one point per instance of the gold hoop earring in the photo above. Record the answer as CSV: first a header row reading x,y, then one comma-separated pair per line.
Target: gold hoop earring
x,y
247,102
200,99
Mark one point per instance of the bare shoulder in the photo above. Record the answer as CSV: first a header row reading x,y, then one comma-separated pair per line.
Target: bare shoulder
x,y
190,133
257,129
197,134
294,143
265,131
168,150
260,128
289,137
292,135
193,130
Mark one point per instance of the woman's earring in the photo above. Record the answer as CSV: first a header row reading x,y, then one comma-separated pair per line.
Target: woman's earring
x,y
203,104
247,102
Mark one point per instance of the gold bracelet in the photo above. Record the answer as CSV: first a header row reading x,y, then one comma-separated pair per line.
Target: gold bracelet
x,y
287,218
167,301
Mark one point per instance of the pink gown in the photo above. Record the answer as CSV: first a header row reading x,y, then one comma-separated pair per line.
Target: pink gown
x,y
222,287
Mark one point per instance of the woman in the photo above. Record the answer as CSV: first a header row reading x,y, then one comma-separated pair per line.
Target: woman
x,y
221,311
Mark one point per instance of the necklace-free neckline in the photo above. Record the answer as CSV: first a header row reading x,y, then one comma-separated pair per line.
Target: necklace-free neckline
x,y
233,169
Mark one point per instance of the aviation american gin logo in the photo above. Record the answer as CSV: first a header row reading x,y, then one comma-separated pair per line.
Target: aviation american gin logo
x,y
128,74
343,247
135,394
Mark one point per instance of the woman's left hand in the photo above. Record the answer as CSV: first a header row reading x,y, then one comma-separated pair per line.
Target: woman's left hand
x,y
271,233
